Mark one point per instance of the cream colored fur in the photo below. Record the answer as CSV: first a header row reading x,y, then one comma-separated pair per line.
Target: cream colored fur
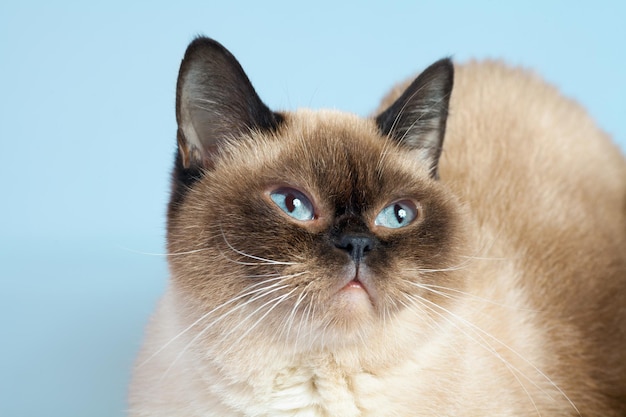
x,y
521,340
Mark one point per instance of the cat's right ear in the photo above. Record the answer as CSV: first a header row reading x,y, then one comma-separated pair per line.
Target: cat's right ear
x,y
417,119
215,102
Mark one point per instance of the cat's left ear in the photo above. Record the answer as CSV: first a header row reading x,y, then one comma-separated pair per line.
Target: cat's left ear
x,y
417,119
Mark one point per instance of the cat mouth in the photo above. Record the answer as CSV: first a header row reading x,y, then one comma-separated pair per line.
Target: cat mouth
x,y
354,284
357,285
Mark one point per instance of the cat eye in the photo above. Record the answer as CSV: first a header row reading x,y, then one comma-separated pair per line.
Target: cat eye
x,y
294,203
398,214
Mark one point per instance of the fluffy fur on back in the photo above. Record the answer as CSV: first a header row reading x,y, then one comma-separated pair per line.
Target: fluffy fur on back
x,y
328,265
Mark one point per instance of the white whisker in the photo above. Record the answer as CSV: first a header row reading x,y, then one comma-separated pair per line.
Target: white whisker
x,y
163,254
278,300
459,295
482,343
476,330
263,261
204,316
251,290
288,323
220,318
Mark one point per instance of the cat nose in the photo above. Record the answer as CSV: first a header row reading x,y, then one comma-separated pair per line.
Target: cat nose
x,y
356,245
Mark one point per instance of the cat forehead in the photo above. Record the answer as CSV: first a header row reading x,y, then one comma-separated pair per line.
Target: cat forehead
x,y
306,120
323,139
338,151
331,136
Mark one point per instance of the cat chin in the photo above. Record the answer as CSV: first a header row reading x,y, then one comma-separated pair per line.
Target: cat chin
x,y
355,296
356,283
353,303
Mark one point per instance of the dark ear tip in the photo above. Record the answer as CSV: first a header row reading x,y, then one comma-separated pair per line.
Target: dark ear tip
x,y
203,44
443,70
444,64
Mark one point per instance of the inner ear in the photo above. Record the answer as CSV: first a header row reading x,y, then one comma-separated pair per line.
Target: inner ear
x,y
417,119
215,102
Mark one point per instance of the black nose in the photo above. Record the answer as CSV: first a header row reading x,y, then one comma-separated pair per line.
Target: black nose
x,y
356,245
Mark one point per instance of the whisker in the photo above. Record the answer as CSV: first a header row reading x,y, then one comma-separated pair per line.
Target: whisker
x,y
163,254
264,261
278,300
204,316
288,323
468,260
249,291
484,344
477,329
223,316
303,318
449,269
440,290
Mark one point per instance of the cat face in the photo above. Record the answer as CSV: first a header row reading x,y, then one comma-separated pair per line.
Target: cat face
x,y
306,226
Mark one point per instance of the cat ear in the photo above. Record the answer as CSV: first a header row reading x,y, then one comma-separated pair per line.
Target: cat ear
x,y
215,102
418,118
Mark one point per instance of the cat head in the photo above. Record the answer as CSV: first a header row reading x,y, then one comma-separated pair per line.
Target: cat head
x,y
305,225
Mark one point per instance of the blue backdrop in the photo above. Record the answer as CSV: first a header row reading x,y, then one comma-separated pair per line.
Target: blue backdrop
x,y
87,133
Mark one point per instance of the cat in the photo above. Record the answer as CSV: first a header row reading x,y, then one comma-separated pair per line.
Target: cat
x,y
460,253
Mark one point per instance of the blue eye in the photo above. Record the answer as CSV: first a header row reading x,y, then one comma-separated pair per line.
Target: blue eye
x,y
294,203
396,215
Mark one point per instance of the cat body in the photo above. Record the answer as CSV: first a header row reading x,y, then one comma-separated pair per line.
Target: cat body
x,y
329,265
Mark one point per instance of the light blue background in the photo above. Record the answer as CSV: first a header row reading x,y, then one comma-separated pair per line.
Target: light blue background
x,y
87,133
